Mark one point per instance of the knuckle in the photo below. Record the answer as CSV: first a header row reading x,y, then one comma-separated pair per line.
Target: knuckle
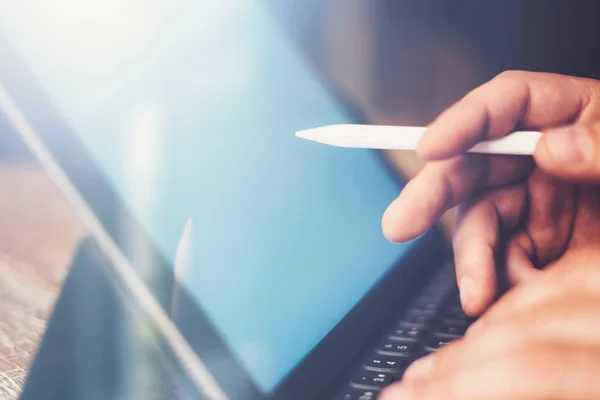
x,y
581,279
542,185
532,325
594,86
550,360
512,74
473,213
528,296
591,90
541,292
595,129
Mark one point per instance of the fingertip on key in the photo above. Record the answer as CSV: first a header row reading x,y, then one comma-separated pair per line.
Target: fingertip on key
x,y
420,369
399,391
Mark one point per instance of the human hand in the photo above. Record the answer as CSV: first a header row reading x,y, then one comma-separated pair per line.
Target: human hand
x,y
539,341
512,212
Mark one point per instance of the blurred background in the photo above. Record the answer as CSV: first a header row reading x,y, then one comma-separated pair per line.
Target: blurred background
x,y
398,61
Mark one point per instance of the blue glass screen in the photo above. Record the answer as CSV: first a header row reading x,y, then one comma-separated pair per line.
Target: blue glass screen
x,y
190,109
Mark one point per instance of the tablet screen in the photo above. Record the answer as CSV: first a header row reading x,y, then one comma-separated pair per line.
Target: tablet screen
x,y
190,108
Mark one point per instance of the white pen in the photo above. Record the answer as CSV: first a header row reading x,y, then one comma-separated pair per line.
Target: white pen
x,y
407,137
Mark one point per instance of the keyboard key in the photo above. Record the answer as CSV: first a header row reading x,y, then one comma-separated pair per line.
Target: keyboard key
x,y
425,304
463,320
449,330
435,343
366,379
437,290
385,363
415,319
406,334
357,394
454,309
456,315
433,295
434,315
396,348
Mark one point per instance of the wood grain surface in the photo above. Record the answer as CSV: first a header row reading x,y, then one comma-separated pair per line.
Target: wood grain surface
x,y
38,234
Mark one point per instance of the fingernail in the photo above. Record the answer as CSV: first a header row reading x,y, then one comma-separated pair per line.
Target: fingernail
x,y
420,369
466,288
570,145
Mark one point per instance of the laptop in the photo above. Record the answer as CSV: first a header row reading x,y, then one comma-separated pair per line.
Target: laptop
x,y
226,259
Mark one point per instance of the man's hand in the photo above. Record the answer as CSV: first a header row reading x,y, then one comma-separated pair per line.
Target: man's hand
x,y
512,212
540,341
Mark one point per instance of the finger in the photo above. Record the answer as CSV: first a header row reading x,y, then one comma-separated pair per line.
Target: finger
x,y
520,253
476,243
531,100
552,205
442,185
586,232
571,152
569,320
542,371
579,279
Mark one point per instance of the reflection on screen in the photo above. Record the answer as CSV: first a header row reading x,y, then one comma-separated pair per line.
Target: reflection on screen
x,y
190,108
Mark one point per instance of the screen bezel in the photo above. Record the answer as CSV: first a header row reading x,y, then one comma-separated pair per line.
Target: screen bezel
x,y
321,367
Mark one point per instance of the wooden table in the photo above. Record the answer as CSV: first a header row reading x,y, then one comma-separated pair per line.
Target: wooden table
x,y
38,233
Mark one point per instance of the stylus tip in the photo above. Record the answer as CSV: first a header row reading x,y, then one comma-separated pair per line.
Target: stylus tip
x,y
308,134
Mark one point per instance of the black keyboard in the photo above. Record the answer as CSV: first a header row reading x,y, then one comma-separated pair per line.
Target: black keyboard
x,y
434,319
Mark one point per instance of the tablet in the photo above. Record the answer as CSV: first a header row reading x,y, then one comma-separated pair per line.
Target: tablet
x,y
170,125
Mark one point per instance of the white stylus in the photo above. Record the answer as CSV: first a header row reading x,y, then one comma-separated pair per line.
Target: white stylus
x,y
407,137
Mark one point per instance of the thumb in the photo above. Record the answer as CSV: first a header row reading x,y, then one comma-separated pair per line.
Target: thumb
x,y
570,152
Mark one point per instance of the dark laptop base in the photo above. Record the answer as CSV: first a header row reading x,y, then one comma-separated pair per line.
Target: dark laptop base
x,y
431,320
